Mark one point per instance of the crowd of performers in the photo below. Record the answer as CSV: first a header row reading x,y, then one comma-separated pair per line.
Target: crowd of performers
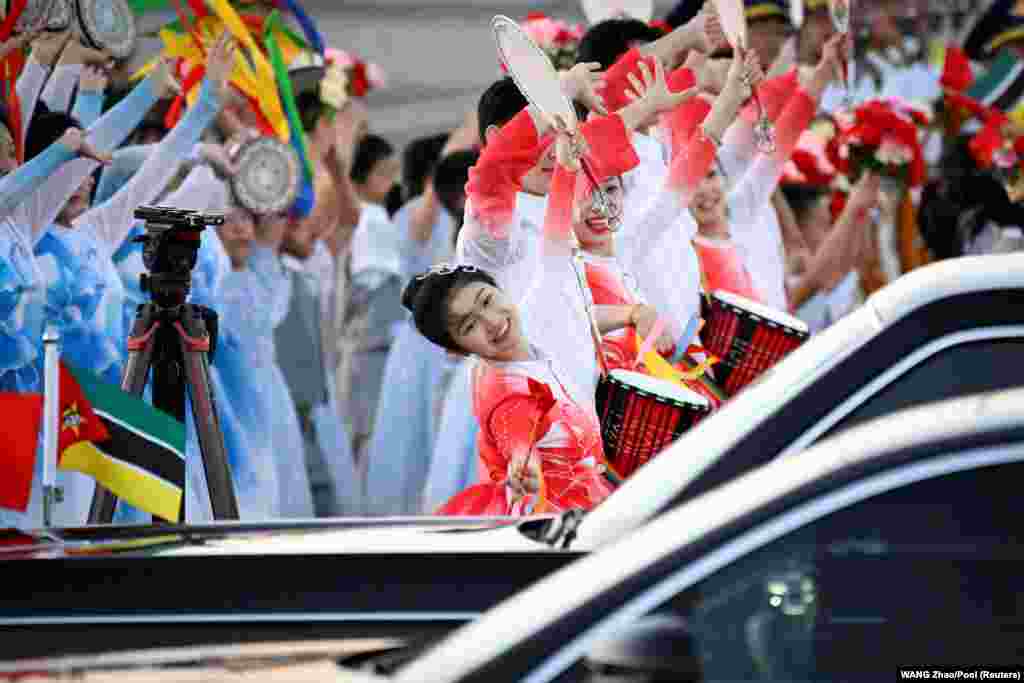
x,y
513,317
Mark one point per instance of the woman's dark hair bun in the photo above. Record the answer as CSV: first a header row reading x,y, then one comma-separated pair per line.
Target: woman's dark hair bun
x,y
409,293
427,295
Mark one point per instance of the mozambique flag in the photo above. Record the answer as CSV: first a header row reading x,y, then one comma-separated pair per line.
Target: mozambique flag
x,y
1001,87
129,447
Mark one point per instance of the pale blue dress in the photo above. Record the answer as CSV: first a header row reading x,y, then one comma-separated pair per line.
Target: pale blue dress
x,y
454,463
30,199
254,302
201,191
398,453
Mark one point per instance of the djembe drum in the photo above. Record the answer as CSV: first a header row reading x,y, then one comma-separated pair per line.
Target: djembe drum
x,y
641,415
747,337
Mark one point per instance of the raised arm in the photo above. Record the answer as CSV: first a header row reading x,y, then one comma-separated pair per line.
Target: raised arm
x,y
89,103
112,220
840,251
693,155
755,188
37,210
126,163
59,88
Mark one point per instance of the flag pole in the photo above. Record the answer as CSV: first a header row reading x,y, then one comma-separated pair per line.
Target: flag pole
x,y
51,403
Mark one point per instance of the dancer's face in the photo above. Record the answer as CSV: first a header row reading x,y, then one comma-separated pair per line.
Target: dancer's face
x,y
236,234
78,204
299,238
538,180
484,323
815,32
592,230
708,204
767,37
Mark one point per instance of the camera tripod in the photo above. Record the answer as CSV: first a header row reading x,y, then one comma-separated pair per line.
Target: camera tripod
x,y
175,339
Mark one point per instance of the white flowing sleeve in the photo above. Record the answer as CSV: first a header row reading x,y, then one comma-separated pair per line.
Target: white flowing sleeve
x,y
113,220
30,85
57,93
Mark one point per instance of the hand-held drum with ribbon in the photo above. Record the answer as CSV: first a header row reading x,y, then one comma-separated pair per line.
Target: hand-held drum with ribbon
x,y
641,416
49,15
268,176
747,337
107,25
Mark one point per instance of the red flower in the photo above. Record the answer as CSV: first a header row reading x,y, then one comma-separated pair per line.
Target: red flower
x,y
535,16
661,26
358,81
956,72
838,204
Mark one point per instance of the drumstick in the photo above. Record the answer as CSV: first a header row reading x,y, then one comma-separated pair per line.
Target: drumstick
x,y
581,280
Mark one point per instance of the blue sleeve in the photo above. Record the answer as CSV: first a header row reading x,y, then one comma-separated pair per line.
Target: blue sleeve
x,y
112,220
88,107
114,127
17,186
126,162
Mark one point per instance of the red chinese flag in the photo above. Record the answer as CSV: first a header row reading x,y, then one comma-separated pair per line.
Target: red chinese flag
x,y
22,415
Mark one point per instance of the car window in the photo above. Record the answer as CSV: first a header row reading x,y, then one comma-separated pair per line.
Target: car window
x,y
926,575
957,371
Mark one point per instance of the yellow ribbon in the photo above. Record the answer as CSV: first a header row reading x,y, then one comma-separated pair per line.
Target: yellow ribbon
x,y
258,84
660,368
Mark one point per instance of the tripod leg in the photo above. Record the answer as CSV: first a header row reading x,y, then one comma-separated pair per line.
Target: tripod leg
x,y
195,344
140,358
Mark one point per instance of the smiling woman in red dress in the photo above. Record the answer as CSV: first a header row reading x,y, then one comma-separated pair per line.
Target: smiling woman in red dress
x,y
540,440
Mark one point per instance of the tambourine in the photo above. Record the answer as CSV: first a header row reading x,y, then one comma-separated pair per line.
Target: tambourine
x,y
51,15
268,176
535,76
796,13
597,11
841,13
107,25
733,16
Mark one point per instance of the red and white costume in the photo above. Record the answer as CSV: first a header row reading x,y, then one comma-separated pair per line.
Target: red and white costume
x,y
530,408
724,267
503,240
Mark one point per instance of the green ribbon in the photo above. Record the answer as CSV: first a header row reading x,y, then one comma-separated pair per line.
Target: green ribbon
x,y
143,6
284,84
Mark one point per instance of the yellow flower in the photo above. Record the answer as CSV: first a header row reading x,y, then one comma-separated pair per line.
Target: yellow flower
x,y
334,87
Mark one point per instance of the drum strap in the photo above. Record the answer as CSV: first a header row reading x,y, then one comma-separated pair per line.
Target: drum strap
x,y
703,275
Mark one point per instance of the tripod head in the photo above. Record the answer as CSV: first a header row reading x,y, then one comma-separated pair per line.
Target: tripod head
x,y
170,251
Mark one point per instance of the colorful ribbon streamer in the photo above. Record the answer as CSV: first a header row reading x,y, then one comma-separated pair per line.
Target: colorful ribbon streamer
x,y
316,41
287,96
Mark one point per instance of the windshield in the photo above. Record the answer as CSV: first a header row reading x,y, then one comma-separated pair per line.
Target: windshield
x,y
662,479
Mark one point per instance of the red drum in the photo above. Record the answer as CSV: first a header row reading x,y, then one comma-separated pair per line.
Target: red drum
x,y
747,337
641,415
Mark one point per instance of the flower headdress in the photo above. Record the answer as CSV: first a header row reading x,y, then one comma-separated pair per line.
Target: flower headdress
x,y
361,77
883,136
558,39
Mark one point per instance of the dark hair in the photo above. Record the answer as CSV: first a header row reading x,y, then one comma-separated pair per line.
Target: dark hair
x,y
498,105
46,128
394,201
801,197
683,12
418,162
608,40
450,178
311,109
370,150
427,296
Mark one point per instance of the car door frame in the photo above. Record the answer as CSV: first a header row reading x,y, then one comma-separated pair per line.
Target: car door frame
x,y
958,456
766,436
